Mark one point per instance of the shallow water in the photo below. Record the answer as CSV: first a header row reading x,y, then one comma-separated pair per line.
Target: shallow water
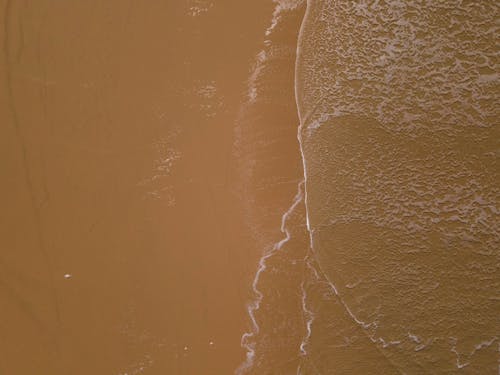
x,y
400,139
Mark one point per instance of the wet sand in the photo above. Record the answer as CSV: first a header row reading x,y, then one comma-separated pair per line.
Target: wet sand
x,y
124,243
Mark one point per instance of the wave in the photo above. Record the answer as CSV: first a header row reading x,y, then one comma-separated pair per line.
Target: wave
x,y
255,304
397,143
398,137
257,87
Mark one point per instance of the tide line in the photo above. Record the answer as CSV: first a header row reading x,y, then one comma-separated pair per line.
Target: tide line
x,y
253,306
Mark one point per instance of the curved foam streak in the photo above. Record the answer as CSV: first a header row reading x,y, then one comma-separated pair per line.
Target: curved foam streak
x,y
261,58
281,5
303,119
308,314
255,304
303,125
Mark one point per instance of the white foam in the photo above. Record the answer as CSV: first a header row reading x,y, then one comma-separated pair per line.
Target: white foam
x,y
281,6
308,314
402,63
304,119
253,306
199,7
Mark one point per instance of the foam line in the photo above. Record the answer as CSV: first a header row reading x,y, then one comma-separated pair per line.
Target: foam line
x,y
254,305
303,120
308,314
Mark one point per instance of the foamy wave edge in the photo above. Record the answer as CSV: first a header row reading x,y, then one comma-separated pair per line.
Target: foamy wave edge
x,y
303,120
254,305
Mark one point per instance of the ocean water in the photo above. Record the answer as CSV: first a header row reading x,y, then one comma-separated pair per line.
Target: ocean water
x,y
389,256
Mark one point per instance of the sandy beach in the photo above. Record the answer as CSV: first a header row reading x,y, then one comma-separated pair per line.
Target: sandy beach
x,y
125,248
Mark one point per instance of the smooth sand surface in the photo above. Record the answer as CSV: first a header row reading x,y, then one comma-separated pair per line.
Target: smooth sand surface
x,y
124,248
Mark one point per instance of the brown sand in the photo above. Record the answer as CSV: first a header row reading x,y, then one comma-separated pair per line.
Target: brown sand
x,y
123,245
